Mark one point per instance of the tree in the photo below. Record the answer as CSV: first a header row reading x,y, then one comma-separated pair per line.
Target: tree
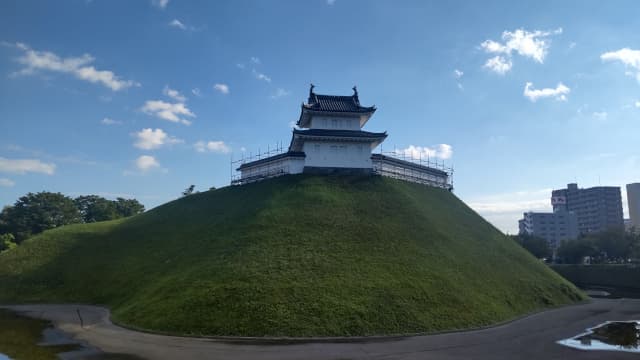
x,y
188,191
96,208
537,246
35,213
574,251
612,245
128,207
7,242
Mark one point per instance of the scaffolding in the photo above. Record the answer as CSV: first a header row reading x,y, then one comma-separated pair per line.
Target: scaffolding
x,y
236,178
395,164
419,160
420,175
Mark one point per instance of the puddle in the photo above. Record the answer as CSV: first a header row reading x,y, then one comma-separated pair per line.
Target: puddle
x,y
597,293
34,339
611,293
611,335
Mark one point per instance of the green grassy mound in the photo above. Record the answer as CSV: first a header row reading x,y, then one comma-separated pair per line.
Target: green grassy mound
x,y
294,256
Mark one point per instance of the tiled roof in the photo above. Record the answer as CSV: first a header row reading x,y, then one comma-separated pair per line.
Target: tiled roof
x,y
298,154
340,133
332,103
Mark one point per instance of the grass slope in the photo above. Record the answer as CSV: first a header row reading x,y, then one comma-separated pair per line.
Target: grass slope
x,y
296,256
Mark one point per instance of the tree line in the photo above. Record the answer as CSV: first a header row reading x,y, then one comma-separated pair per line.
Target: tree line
x,y
34,213
606,247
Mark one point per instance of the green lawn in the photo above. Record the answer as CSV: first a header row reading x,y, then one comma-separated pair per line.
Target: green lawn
x,y
296,256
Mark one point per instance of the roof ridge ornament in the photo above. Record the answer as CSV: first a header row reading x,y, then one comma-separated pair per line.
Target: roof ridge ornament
x,y
311,94
355,95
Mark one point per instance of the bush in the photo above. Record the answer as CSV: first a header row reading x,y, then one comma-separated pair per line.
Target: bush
x,y
7,242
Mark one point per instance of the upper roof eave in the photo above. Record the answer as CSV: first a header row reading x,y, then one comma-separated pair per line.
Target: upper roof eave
x,y
340,133
309,111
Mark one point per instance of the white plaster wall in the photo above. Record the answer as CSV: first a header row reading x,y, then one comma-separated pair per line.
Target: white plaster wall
x,y
275,168
335,123
296,165
338,154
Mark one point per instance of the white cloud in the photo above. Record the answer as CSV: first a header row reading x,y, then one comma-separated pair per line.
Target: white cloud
x,y
160,3
533,45
149,139
173,112
261,76
630,58
600,116
255,60
264,77
108,121
23,166
440,151
196,92
559,93
499,64
280,92
182,26
34,61
145,163
107,78
626,56
599,156
71,159
637,104
222,88
177,24
517,206
174,94
6,182
504,210
240,66
212,146
458,75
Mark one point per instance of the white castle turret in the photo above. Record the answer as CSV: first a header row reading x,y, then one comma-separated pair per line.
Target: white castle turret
x,y
330,139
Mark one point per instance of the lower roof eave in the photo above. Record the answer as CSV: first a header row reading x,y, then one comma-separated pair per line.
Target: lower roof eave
x,y
289,154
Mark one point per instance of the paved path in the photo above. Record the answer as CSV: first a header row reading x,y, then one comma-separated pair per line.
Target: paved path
x,y
533,337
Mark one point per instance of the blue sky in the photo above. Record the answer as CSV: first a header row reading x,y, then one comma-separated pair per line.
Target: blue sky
x,y
143,98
